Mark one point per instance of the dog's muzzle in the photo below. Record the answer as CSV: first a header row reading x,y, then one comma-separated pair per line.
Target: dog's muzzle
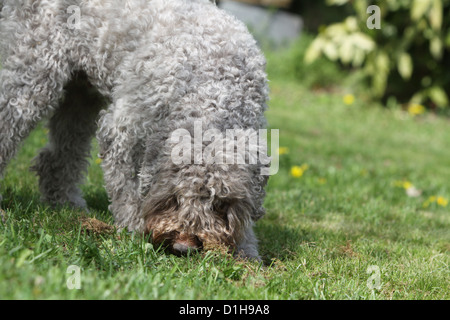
x,y
178,243
185,243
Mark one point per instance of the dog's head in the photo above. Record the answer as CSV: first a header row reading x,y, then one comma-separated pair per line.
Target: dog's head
x,y
190,207
194,206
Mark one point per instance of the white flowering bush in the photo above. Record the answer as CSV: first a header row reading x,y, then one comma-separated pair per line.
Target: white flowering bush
x,y
407,54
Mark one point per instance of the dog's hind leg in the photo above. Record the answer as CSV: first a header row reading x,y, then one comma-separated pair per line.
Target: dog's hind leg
x,y
62,164
27,94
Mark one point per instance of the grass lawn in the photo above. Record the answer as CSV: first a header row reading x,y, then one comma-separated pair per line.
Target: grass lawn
x,y
343,227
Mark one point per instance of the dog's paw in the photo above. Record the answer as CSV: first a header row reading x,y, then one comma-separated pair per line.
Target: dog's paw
x,y
252,256
77,202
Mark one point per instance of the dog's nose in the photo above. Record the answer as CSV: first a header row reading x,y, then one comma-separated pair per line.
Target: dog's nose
x,y
185,244
181,249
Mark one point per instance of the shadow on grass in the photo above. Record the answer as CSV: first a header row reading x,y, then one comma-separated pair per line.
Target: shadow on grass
x,y
281,242
276,241
25,202
96,199
21,200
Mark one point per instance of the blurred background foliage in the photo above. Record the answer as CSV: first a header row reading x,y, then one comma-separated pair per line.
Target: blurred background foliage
x,y
406,60
289,64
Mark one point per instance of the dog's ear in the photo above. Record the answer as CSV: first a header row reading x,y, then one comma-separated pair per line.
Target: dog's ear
x,y
163,204
158,205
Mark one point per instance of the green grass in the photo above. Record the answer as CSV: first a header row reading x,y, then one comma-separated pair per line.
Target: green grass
x,y
321,233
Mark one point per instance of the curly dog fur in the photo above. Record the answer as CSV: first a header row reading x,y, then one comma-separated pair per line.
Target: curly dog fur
x,y
132,72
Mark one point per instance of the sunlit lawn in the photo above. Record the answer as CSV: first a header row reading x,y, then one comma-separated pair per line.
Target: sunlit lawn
x,y
358,210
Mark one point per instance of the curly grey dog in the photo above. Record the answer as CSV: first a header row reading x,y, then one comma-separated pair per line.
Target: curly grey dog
x,y
132,72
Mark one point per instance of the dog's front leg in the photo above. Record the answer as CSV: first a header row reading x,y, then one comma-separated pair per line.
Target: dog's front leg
x,y
248,246
118,150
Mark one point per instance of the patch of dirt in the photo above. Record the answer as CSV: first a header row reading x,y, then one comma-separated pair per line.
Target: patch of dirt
x,y
348,250
96,226
217,247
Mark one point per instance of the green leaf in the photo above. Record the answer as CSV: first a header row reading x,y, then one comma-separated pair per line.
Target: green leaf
x,y
418,97
24,254
435,15
438,96
379,83
447,40
351,23
436,47
382,61
346,51
359,57
405,65
331,52
337,2
380,73
314,50
419,8
361,8
363,41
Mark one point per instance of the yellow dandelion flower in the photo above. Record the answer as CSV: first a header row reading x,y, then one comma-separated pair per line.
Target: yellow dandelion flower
x,y
416,109
429,201
297,171
407,185
98,161
442,201
348,99
283,150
